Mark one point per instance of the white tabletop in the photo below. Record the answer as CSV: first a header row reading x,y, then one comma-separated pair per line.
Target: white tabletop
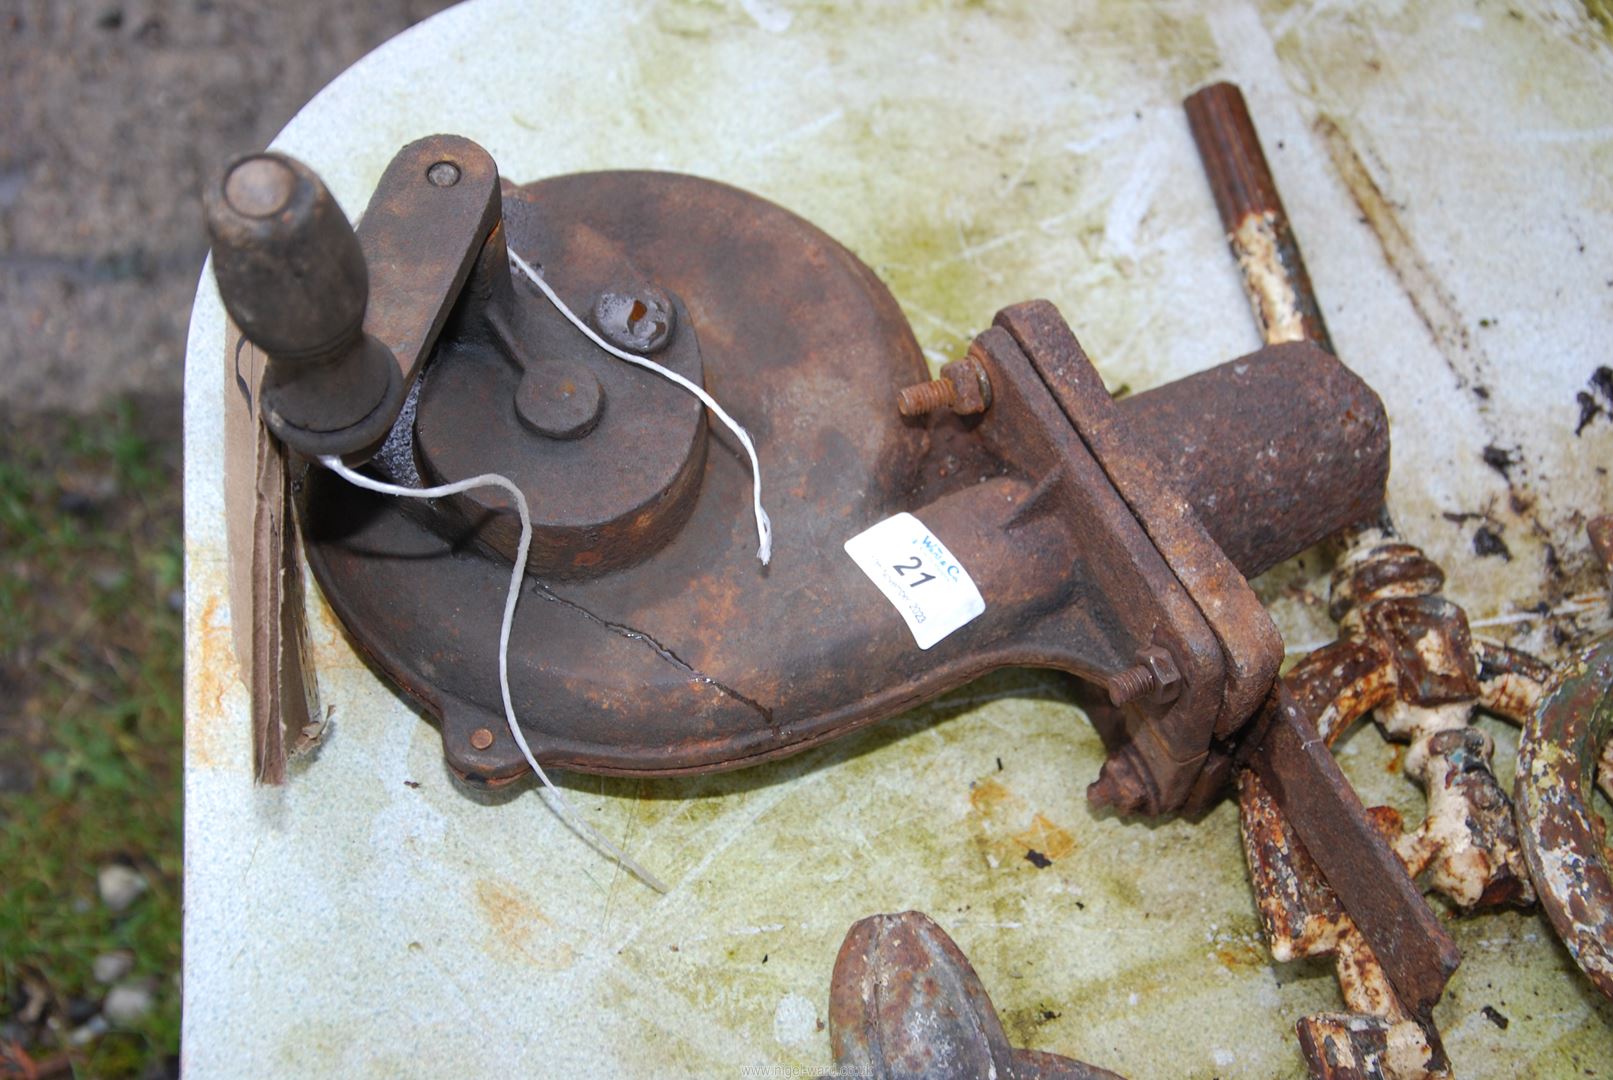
x,y
1449,170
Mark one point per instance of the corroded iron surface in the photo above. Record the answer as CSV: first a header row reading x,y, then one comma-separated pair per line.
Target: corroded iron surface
x,y
1303,918
1428,688
905,1002
1564,841
1417,954
650,643
1258,230
1405,654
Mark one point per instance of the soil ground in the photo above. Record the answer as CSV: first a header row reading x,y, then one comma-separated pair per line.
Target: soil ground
x,y
113,113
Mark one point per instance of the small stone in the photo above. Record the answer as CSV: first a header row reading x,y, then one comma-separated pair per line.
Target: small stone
x,y
79,1010
109,578
89,1031
75,503
120,885
109,967
127,1002
82,493
35,1000
1486,542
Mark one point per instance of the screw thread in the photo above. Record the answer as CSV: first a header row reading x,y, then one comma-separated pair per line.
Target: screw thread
x,y
1130,684
926,397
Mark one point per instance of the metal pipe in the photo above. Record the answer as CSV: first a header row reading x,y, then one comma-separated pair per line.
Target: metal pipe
x,y
1257,226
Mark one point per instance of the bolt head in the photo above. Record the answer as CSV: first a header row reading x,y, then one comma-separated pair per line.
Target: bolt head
x,y
640,320
1167,679
971,385
481,738
443,174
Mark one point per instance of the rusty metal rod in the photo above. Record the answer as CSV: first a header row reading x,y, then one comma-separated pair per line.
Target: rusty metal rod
x,y
1258,230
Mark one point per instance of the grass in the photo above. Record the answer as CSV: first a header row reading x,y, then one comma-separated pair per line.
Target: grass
x,y
90,729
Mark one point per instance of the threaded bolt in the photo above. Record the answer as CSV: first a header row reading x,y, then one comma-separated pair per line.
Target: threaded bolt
x,y
1130,684
926,397
964,387
1154,673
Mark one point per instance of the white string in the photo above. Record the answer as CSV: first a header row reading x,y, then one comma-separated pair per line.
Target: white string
x,y
1577,605
764,525
517,572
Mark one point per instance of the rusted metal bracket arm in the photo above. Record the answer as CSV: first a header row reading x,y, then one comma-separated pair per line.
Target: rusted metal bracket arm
x,y
1161,546
1404,652
1378,1039
1293,759
1294,763
427,221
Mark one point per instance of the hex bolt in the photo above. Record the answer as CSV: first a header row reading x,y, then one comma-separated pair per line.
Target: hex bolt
x,y
481,738
1154,673
640,320
964,387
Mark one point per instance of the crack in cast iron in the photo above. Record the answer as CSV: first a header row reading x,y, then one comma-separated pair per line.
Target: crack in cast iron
x,y
635,634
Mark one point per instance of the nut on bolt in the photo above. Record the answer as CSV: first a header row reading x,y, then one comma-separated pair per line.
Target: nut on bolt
x,y
1154,673
964,387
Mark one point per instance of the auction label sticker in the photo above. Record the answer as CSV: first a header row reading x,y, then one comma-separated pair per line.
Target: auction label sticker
x,y
929,588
